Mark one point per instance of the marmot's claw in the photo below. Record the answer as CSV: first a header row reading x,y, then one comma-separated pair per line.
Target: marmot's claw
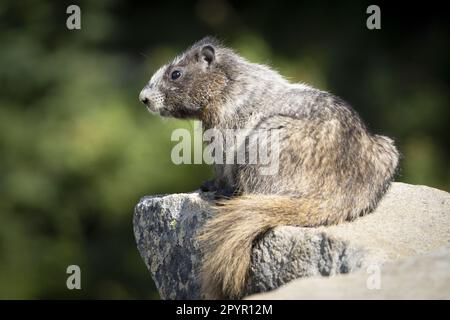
x,y
208,186
227,192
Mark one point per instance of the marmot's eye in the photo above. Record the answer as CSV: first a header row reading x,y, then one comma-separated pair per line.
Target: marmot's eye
x,y
175,74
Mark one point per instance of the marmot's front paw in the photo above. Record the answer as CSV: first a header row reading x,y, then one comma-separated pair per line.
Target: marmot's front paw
x,y
208,186
221,192
226,192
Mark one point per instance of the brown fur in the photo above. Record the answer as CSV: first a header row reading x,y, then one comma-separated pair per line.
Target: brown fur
x,y
228,238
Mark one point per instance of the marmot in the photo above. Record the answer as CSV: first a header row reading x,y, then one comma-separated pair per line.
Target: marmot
x,y
331,168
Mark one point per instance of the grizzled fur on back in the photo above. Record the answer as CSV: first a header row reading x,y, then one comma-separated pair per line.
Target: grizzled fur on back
x,y
331,168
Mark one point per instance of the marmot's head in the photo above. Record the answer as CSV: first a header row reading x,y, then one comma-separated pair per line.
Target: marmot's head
x,y
184,87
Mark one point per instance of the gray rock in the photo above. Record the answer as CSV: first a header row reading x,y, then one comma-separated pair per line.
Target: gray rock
x,y
420,277
409,221
165,228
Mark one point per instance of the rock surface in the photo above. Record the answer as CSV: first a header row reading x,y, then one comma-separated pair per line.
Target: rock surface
x,y
409,221
420,277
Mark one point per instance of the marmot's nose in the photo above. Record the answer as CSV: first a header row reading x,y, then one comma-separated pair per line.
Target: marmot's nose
x,y
143,96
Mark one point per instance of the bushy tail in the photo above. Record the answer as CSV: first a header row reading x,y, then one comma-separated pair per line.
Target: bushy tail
x,y
227,239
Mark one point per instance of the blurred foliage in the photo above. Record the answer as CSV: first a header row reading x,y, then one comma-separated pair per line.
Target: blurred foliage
x,y
77,150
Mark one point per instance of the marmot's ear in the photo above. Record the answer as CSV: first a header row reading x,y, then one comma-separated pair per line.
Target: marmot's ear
x,y
208,54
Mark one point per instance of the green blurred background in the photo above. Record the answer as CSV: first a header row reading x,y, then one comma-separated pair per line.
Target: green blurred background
x,y
78,150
